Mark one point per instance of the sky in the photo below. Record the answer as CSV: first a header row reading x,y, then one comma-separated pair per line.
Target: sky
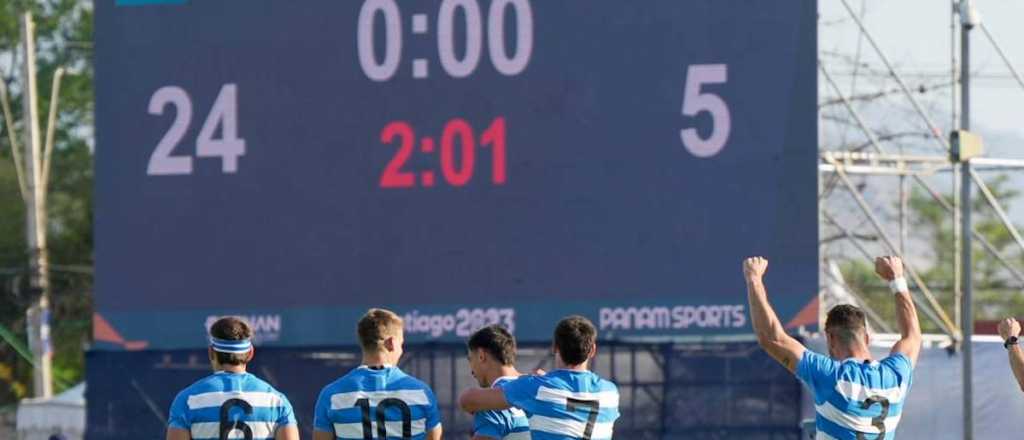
x,y
916,36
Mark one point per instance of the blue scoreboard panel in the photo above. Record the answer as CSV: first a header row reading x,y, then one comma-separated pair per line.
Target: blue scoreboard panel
x,y
463,162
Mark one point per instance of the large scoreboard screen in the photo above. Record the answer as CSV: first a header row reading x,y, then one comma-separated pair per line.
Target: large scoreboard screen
x,y
463,162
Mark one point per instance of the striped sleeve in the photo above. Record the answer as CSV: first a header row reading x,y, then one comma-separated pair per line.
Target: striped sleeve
x,y
487,423
287,414
900,364
521,392
179,413
321,419
815,370
433,414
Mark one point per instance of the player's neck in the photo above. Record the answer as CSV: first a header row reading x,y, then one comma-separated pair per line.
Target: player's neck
x,y
377,360
236,369
857,352
581,367
502,372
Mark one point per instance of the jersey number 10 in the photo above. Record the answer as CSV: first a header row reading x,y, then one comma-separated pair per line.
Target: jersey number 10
x,y
380,412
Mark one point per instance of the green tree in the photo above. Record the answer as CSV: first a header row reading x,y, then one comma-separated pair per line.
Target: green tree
x,y
997,293
64,30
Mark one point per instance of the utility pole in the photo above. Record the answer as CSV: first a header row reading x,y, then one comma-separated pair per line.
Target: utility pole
x,y
968,19
35,223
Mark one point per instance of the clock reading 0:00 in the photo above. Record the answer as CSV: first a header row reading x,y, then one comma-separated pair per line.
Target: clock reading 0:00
x,y
505,61
457,153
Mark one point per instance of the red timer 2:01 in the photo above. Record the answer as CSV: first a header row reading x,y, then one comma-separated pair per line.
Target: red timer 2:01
x,y
457,151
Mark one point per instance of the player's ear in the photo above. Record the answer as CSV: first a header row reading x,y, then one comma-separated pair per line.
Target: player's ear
x,y
389,343
252,354
593,351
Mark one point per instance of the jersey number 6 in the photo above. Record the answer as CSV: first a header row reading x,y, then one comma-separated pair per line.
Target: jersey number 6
x,y
226,425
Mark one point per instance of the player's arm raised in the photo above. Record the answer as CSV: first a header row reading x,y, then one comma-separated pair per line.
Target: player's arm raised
x,y
1009,330
178,434
770,333
891,270
483,399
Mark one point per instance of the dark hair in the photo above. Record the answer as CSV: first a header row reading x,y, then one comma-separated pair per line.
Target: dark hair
x,y
575,337
496,341
376,326
846,323
232,329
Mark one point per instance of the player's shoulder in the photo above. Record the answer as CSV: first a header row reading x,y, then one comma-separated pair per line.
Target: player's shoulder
x,y
576,382
606,386
220,382
366,379
528,381
398,379
601,384
206,384
253,382
503,380
886,373
816,363
350,381
898,364
897,360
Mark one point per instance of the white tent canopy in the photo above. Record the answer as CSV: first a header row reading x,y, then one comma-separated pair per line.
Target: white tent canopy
x,y
38,419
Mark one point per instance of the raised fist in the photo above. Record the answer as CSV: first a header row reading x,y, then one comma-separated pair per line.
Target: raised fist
x,y
889,268
1009,327
755,267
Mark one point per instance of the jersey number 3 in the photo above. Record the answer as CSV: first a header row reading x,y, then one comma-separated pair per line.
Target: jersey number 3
x,y
878,422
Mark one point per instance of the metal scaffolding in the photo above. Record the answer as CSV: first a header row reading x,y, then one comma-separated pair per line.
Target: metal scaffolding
x,y
836,167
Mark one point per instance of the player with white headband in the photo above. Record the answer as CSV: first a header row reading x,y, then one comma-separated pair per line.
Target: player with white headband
x,y
231,403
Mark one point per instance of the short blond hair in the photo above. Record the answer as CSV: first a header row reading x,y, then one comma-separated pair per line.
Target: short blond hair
x,y
376,326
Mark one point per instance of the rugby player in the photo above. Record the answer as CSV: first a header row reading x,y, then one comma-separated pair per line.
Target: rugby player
x,y
231,403
855,396
492,360
377,399
569,403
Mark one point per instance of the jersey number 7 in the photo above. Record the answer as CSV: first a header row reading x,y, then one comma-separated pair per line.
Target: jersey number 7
x,y
591,406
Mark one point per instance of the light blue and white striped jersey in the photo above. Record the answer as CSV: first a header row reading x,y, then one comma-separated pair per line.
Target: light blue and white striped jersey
x,y
230,405
377,403
565,404
856,400
509,424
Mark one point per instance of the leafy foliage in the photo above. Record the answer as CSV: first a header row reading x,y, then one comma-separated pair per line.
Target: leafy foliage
x,y
997,294
64,31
